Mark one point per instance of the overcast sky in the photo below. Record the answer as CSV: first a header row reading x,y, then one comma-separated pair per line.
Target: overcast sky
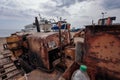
x,y
14,14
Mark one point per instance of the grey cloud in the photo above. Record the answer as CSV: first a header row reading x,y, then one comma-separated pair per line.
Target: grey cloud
x,y
12,8
21,10
65,3
85,17
3,1
111,4
5,11
53,10
68,3
10,3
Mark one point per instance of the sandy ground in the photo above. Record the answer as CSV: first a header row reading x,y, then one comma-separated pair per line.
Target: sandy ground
x,y
40,75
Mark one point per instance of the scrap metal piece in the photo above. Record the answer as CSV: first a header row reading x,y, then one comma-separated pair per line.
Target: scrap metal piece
x,y
70,52
102,50
46,47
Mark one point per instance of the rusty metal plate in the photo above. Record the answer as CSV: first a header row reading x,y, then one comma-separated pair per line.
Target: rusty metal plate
x,y
102,48
17,52
11,39
70,52
13,46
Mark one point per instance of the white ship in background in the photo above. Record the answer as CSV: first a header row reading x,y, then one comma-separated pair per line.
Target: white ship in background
x,y
44,25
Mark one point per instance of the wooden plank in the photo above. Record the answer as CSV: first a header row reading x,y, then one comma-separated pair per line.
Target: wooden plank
x,y
5,61
68,73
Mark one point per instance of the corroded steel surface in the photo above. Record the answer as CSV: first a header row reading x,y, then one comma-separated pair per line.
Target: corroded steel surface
x,y
79,33
14,43
70,52
102,48
43,43
11,39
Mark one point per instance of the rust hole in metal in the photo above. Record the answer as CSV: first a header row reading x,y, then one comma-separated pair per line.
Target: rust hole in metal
x,y
111,43
111,51
105,47
100,56
119,53
107,58
97,46
98,43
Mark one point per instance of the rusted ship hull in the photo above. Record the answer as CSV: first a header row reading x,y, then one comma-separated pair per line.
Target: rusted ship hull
x,y
102,51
